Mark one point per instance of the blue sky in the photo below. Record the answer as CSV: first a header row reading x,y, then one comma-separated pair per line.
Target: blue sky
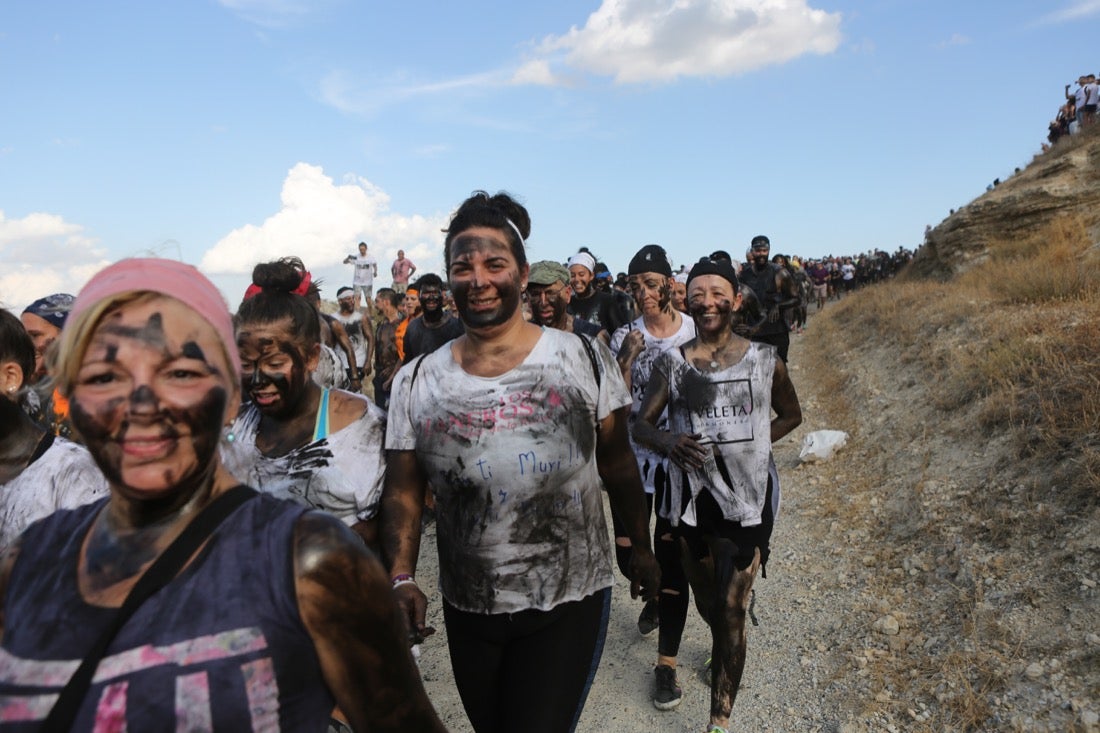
x,y
226,132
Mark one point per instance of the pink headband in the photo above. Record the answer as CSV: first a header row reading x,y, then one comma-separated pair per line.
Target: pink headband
x,y
165,277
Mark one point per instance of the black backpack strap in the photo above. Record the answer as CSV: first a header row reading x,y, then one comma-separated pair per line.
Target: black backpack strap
x,y
160,573
416,369
592,359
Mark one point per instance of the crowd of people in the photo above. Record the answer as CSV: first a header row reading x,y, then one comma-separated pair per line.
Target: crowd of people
x,y
1077,111
222,513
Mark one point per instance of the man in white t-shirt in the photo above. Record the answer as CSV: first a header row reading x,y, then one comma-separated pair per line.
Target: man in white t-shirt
x,y
366,269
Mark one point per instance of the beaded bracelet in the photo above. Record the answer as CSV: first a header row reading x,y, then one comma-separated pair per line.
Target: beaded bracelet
x,y
403,579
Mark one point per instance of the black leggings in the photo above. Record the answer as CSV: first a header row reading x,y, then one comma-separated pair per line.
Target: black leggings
x,y
530,670
674,599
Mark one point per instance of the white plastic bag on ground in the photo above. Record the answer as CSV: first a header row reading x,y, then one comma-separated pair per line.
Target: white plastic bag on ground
x,y
820,445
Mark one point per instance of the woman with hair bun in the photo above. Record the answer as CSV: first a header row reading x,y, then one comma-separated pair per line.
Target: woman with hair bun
x,y
293,438
514,426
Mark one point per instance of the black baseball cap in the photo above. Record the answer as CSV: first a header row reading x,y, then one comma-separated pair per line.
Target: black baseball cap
x,y
761,242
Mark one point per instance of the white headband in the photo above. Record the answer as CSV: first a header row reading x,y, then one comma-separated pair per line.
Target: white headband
x,y
584,259
516,230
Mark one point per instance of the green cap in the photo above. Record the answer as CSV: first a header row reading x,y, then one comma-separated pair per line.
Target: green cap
x,y
546,272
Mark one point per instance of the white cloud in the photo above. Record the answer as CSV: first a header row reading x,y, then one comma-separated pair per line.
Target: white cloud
x,y
536,72
956,39
351,94
44,254
322,221
269,13
1074,11
637,41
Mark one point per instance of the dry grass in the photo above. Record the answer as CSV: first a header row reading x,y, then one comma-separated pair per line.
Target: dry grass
x,y
1009,354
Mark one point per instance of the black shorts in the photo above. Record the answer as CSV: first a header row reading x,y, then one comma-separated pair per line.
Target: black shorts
x,y
710,522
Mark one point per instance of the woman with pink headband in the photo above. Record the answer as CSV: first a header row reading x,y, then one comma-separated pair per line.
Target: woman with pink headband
x,y
184,601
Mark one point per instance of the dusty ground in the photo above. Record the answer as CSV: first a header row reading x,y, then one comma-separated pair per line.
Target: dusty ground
x,y
865,624
787,671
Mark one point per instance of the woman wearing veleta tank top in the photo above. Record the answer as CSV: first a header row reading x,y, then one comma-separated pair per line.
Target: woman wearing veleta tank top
x,y
720,391
279,614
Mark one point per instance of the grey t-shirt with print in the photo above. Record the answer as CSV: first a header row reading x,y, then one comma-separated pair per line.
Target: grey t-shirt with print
x,y
512,463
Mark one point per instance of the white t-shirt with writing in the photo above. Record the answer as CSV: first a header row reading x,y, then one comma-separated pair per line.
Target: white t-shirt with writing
x,y
648,459
512,463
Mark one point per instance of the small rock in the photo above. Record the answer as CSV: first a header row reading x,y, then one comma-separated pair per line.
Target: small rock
x,y
887,625
1034,670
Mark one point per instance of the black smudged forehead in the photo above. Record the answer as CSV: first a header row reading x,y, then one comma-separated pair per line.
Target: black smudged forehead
x,y
466,242
150,333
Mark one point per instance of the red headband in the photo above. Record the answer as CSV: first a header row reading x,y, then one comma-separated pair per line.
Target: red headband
x,y
302,289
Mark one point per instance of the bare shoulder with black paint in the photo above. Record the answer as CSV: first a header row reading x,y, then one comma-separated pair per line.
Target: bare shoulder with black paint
x,y
347,605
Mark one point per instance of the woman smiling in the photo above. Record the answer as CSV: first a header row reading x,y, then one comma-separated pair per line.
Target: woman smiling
x,y
184,601
514,426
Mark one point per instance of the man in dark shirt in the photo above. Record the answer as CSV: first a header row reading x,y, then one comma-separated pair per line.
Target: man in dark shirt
x,y
775,289
386,360
435,326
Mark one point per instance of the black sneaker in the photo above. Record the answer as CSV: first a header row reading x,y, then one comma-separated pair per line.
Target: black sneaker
x,y
668,693
648,619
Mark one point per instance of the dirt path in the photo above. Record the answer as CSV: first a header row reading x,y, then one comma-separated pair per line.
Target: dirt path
x,y
791,655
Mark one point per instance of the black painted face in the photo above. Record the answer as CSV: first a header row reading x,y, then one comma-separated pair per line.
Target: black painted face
x,y
431,299
486,280
548,302
275,367
151,396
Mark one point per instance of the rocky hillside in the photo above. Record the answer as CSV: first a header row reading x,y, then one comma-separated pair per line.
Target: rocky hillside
x,y
1064,180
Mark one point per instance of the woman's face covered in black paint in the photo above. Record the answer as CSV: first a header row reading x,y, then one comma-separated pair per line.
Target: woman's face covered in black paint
x,y
151,395
486,280
275,367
